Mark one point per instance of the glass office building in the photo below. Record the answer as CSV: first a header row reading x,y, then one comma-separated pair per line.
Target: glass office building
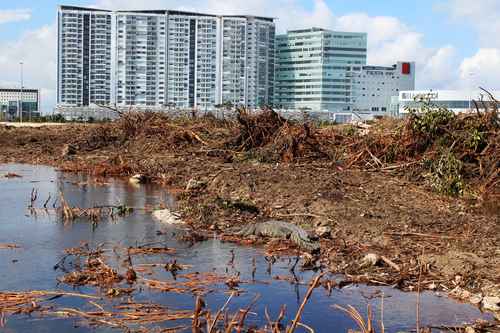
x,y
311,69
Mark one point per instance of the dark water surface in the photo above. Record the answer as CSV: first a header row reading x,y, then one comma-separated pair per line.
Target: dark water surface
x,y
43,239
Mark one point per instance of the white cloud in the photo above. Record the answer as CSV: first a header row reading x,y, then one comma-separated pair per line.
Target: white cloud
x,y
14,15
482,69
439,71
482,15
37,50
390,40
290,13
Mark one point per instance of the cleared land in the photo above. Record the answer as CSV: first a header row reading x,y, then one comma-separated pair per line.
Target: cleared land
x,y
422,192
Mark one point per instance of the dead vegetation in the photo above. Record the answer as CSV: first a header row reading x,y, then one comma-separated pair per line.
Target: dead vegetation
x,y
392,188
452,154
89,268
117,307
9,246
129,314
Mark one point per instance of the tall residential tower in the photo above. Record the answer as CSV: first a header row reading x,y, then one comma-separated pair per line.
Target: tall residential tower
x,y
157,58
84,56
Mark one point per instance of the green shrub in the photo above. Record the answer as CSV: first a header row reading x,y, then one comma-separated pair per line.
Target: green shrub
x,y
446,174
430,120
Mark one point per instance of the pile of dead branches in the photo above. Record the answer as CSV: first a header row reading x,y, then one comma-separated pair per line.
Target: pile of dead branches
x,y
142,125
453,154
194,283
93,272
272,138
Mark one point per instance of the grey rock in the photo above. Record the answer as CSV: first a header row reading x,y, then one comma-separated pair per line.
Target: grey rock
x,y
138,179
324,232
167,217
491,303
370,260
194,184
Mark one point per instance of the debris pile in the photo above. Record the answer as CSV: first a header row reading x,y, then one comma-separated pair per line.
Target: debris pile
x,y
453,154
95,272
272,138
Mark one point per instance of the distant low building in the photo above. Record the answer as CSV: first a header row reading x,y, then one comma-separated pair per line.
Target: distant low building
x,y
374,86
453,100
12,101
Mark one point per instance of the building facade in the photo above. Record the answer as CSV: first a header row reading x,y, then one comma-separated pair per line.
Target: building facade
x,y
247,61
192,60
374,86
453,100
312,69
13,100
84,56
164,58
140,63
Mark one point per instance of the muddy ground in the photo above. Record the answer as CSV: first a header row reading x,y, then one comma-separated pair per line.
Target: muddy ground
x,y
448,243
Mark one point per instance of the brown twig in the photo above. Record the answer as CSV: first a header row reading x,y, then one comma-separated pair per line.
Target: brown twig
x,y
296,320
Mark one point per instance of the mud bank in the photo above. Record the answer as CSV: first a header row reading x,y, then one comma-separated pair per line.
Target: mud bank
x,y
366,205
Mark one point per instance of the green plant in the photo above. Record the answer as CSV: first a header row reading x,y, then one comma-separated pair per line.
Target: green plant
x,y
350,130
446,174
429,120
475,139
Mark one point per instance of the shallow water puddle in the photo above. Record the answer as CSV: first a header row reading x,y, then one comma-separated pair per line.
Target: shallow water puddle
x,y
42,238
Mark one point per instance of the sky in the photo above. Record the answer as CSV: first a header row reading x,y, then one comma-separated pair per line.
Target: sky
x,y
455,43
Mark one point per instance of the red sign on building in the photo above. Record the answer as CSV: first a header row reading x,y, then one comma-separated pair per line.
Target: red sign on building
x,y
406,68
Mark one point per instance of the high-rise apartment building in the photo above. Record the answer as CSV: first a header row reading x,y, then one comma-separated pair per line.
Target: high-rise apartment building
x,y
248,60
140,63
192,60
156,58
312,68
84,56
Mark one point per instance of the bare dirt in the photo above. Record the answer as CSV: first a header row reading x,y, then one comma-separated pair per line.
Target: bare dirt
x,y
253,169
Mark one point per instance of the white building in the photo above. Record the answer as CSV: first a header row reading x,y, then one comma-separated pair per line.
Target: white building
x,y
325,72
158,58
247,60
139,73
84,56
374,86
453,100
12,99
